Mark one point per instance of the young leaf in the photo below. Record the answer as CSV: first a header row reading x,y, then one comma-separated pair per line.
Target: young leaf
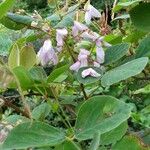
x,y
100,114
124,71
33,134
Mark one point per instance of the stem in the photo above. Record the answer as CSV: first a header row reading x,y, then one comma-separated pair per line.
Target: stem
x,y
83,91
114,4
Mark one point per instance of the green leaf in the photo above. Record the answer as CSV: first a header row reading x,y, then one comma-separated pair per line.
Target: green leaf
x,y
41,111
100,114
25,20
114,135
115,52
23,76
124,16
124,5
10,24
33,134
143,49
14,57
57,73
38,74
68,145
5,6
88,79
140,16
130,143
27,57
124,71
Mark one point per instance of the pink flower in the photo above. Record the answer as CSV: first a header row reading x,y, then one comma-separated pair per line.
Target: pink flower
x,y
78,27
82,60
90,72
60,35
47,54
91,12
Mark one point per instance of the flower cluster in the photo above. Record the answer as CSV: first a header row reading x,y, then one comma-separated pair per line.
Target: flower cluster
x,y
80,31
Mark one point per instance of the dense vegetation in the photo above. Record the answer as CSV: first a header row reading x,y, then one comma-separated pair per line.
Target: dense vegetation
x,y
74,75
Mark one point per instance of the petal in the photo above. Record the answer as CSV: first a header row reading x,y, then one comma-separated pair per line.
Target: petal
x,y
75,31
96,64
59,39
84,51
75,66
62,32
80,26
88,17
90,72
47,45
100,54
94,12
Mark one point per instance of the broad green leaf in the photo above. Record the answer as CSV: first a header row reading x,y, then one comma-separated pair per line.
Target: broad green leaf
x,y
68,145
33,134
115,52
5,6
27,57
23,76
88,79
57,72
100,114
124,71
140,16
41,111
10,24
114,135
38,74
124,5
143,49
25,20
130,143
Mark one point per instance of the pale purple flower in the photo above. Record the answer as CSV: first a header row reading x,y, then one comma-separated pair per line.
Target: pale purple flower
x,y
82,60
75,66
91,12
47,54
100,54
60,35
78,27
90,72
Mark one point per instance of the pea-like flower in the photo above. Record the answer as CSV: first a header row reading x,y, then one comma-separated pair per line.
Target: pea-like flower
x,y
60,35
89,72
82,60
91,12
47,54
78,27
